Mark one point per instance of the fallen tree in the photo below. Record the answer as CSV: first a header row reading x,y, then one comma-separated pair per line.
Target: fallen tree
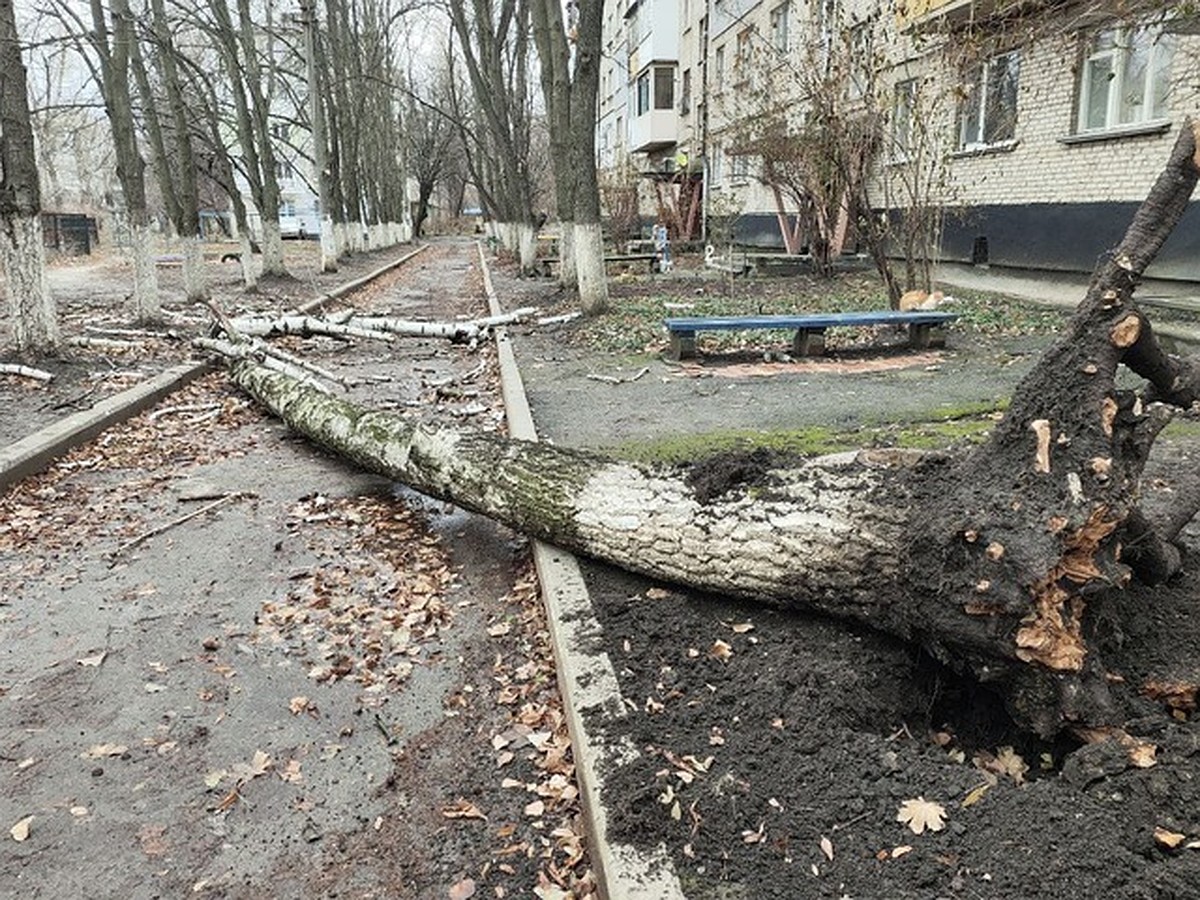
x,y
994,560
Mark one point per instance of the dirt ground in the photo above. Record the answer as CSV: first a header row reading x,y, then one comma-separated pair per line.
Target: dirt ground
x,y
778,749
321,686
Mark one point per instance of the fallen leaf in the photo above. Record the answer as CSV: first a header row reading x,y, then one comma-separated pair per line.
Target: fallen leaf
x,y
93,661
977,794
20,831
741,627
535,809
463,809
755,837
720,650
260,763
151,687
656,593
298,705
79,811
462,890
152,840
920,814
291,772
900,851
827,848
500,629
1168,839
1012,764
100,751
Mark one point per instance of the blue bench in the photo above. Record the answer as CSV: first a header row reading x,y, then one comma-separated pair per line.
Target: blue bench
x,y
925,328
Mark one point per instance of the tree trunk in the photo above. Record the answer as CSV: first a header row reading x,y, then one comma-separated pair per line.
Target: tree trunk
x,y
589,242
31,306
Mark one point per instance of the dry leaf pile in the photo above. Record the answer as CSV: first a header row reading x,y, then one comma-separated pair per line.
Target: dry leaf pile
x,y
371,604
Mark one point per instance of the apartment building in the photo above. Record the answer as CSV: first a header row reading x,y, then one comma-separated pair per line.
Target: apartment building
x,y
1042,131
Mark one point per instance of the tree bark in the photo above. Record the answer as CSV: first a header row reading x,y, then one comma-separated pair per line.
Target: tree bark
x,y
22,253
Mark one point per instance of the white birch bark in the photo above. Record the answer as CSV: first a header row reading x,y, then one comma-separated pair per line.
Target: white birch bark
x,y
31,306
146,304
589,266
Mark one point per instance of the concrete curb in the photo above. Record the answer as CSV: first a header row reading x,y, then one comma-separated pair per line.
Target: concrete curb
x,y
586,678
36,451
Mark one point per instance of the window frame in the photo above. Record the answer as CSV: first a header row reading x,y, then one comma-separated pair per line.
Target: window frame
x,y
779,16
902,136
658,102
981,82
641,93
1118,56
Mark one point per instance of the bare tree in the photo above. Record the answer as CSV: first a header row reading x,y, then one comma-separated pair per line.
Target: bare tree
x,y
111,45
30,303
492,39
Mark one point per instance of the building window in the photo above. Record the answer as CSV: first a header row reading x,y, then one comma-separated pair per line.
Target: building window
x,y
643,93
719,66
739,167
284,171
861,47
717,154
685,93
779,28
989,110
664,87
904,104
741,60
1125,78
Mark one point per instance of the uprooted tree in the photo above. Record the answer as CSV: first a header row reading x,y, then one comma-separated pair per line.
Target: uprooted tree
x,y
998,560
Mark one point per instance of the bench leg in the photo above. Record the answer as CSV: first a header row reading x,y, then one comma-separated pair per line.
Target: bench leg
x,y
809,342
923,337
683,345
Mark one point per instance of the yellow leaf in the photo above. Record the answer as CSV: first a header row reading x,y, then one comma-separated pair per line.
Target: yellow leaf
x,y
921,814
20,831
1168,839
976,795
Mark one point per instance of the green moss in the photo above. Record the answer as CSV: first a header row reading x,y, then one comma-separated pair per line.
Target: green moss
x,y
813,441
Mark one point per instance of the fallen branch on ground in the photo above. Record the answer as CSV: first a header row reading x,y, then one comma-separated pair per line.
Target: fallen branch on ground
x,y
154,532
25,372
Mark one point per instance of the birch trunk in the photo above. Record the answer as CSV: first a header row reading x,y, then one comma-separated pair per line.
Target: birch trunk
x,y
30,304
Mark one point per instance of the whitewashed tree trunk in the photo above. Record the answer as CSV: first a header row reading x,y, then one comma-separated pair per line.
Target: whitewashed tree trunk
x,y
31,305
526,236
146,304
568,273
249,266
195,281
272,247
329,246
589,265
